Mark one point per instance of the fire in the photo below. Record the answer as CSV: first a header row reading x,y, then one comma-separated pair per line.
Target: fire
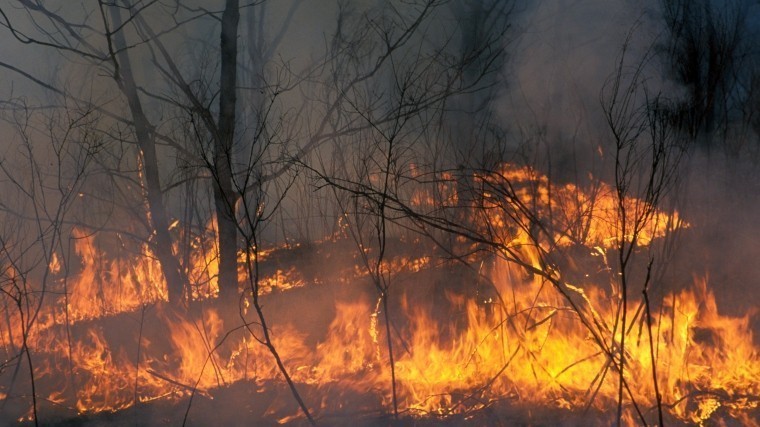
x,y
111,285
578,217
507,338
533,350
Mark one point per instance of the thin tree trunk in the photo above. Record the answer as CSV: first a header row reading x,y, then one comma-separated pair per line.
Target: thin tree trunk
x,y
176,279
224,195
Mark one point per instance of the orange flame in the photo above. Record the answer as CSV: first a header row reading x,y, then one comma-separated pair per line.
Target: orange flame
x,y
527,340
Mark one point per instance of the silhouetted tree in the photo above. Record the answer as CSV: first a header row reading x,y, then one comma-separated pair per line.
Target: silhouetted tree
x,y
707,50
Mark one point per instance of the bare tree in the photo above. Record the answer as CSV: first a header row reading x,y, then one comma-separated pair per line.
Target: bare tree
x,y
708,50
647,156
100,46
41,188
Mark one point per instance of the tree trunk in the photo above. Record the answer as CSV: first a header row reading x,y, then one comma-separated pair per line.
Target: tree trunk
x,y
225,197
176,280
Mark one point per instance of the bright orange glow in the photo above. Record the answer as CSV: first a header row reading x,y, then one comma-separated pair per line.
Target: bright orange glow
x,y
588,217
517,340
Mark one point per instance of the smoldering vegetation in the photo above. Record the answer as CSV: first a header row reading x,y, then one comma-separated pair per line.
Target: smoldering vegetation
x,y
413,212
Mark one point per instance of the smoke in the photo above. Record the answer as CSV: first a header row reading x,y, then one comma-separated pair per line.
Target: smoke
x,y
566,53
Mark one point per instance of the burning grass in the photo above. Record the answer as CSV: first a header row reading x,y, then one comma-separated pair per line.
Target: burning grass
x,y
481,342
464,354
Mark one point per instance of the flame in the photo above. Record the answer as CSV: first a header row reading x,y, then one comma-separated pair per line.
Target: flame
x,y
111,285
521,340
576,216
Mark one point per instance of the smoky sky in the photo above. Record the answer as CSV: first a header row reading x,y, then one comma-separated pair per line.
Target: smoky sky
x,y
564,53
559,55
